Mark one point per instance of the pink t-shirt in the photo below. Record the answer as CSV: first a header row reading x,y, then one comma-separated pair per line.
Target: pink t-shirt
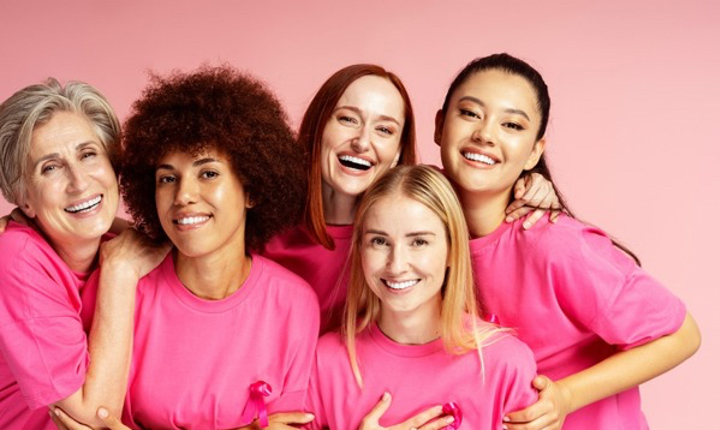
x,y
575,299
44,348
324,269
194,359
419,377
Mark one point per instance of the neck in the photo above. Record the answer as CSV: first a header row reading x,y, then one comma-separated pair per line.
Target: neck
x,y
338,208
417,327
216,275
484,213
79,257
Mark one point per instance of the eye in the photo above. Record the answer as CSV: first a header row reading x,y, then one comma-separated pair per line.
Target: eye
x,y
385,130
378,241
347,119
419,241
49,168
88,154
514,126
166,179
209,174
468,113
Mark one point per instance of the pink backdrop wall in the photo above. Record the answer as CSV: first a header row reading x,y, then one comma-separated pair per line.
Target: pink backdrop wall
x,y
634,129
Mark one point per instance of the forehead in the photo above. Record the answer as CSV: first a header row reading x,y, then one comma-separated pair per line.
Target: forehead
x,y
64,130
399,213
500,89
374,94
189,155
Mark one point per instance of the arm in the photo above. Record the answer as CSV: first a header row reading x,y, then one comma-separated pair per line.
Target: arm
x,y
533,193
617,373
124,260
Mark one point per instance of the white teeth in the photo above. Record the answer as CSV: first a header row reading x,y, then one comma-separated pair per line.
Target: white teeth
x,y
192,220
84,206
355,160
401,285
478,157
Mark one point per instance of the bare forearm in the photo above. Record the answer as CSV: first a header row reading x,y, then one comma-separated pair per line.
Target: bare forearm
x,y
630,368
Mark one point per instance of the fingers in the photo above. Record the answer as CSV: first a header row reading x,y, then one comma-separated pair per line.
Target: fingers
x,y
3,223
421,420
439,423
521,186
541,382
64,422
533,218
291,418
112,422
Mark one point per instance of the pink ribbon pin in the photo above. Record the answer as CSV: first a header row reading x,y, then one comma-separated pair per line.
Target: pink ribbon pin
x,y
255,406
452,408
493,319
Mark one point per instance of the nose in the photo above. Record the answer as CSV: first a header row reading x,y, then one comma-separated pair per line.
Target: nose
x,y
79,179
186,192
397,260
484,133
361,143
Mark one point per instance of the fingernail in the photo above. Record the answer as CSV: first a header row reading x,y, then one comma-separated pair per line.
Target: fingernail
x,y
386,397
526,225
309,416
449,420
508,218
506,419
56,411
102,413
504,427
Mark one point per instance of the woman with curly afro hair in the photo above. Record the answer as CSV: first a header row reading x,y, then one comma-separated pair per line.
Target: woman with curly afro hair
x,y
223,337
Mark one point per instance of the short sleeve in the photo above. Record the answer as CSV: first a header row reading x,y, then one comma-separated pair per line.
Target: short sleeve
x,y
602,289
520,370
41,334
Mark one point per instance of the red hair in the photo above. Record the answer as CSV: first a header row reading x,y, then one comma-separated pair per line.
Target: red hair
x,y
311,130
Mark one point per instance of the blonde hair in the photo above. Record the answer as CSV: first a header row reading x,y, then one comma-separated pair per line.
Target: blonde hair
x,y
35,105
429,187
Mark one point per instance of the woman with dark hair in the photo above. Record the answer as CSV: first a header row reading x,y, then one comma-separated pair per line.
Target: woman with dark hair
x,y
224,338
597,323
359,124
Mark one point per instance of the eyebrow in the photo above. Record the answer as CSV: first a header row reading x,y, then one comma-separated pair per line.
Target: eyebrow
x,y
46,157
195,163
412,234
360,112
480,102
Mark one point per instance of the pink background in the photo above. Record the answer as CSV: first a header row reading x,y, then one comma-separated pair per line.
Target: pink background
x,y
634,138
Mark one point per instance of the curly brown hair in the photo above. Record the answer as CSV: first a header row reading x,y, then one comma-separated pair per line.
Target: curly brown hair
x,y
222,109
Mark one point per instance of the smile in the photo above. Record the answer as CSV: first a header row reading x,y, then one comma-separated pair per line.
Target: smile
x,y
86,206
354,162
400,285
474,156
191,220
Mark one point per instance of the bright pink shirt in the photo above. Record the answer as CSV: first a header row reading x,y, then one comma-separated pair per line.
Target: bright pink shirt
x,y
419,377
324,269
44,347
575,299
194,359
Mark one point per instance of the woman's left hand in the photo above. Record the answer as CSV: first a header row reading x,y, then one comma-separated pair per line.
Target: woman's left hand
x,y
548,413
18,216
533,193
64,422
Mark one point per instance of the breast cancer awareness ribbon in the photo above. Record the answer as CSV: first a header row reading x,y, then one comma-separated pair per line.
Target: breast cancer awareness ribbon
x,y
492,318
452,408
255,406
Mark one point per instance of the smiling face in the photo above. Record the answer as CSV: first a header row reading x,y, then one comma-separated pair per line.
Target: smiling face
x,y
72,190
361,140
488,134
201,203
404,253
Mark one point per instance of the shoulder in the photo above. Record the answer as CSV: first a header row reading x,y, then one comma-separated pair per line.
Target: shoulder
x,y
292,291
20,242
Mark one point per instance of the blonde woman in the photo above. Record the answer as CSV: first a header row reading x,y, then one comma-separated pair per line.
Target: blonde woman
x,y
411,327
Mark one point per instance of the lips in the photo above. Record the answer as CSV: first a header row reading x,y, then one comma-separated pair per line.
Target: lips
x,y
480,158
190,221
400,285
85,206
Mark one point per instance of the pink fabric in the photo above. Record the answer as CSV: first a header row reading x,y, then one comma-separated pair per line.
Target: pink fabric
x,y
419,377
575,299
320,267
194,360
44,348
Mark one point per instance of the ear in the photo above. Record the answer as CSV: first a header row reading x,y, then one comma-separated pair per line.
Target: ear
x,y
396,160
439,122
249,203
26,207
534,157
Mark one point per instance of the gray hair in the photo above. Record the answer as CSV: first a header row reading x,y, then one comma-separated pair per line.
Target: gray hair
x,y
34,106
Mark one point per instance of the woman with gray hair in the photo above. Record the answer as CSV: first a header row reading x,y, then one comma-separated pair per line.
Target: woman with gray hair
x,y
56,150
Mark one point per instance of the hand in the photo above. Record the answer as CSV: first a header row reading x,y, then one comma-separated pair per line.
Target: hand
x,y
548,413
18,216
280,421
64,422
533,193
425,420
133,251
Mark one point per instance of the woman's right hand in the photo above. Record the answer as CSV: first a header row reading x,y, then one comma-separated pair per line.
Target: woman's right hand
x,y
15,215
64,422
430,419
133,251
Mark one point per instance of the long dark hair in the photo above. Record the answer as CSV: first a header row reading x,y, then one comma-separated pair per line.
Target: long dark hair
x,y
515,66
